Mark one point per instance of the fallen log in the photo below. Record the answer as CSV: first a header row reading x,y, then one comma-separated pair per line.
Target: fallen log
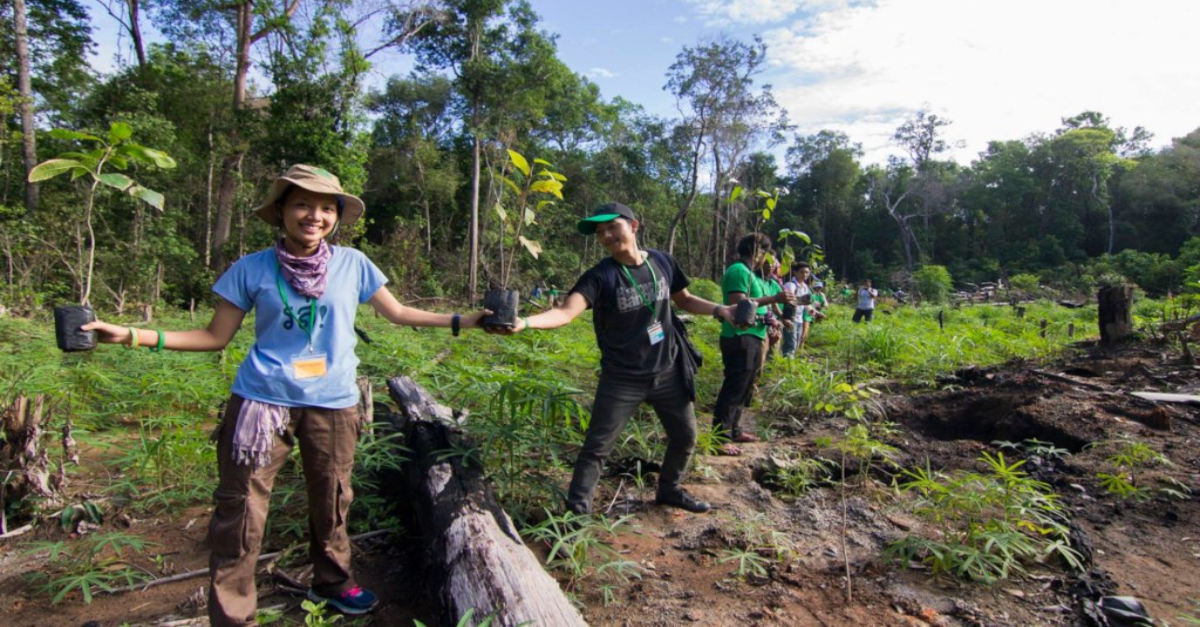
x,y
1179,325
476,559
1162,397
1069,380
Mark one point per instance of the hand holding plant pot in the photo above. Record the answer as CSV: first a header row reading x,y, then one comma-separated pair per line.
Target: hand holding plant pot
x,y
501,300
71,329
745,313
106,333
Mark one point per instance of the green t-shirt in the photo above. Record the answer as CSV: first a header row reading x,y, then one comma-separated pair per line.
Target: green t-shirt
x,y
739,278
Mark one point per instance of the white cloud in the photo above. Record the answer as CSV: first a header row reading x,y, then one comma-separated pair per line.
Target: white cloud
x,y
722,12
599,72
998,70
680,19
667,40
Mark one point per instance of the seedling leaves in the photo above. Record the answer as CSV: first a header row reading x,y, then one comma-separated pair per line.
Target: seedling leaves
x,y
152,198
69,135
117,181
533,247
519,161
511,185
119,131
548,186
52,168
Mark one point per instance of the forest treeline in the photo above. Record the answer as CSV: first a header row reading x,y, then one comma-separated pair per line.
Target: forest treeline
x,y
240,89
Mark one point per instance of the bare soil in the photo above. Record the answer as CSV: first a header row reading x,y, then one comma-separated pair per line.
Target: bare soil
x,y
1146,549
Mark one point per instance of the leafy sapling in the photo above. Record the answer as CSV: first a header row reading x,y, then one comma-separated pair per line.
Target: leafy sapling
x,y
531,193
112,152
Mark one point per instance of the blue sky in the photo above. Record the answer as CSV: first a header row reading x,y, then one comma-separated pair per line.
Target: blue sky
x,y
998,70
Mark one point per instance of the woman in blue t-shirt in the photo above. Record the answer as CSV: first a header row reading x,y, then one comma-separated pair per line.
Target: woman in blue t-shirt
x,y
297,384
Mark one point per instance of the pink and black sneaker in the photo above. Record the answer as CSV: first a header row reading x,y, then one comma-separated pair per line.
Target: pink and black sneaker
x,y
352,602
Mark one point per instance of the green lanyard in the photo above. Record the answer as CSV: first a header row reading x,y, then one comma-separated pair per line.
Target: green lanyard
x,y
652,305
287,307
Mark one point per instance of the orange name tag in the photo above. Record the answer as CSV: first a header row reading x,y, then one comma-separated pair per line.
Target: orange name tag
x,y
309,367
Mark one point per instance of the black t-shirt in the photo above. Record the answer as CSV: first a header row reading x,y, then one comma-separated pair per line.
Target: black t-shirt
x,y
622,319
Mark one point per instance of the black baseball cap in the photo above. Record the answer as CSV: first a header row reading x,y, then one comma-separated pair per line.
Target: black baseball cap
x,y
604,213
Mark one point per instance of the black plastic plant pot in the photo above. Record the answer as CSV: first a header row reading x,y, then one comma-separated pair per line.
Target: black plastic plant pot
x,y
503,303
789,311
744,313
67,321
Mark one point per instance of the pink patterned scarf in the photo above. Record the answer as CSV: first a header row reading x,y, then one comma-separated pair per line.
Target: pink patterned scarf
x,y
305,274
254,433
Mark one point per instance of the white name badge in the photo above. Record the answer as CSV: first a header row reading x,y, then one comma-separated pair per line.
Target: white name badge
x,y
655,331
309,366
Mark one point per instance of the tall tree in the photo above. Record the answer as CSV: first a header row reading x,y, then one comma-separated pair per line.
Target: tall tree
x,y
825,176
723,117
890,187
25,89
921,136
408,167
59,41
240,24
128,14
476,40
1077,165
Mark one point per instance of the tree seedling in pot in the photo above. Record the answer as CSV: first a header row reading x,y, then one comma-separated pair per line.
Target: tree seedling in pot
x,y
530,194
117,152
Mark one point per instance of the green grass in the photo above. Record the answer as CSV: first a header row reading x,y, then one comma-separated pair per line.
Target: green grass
x,y
147,416
909,347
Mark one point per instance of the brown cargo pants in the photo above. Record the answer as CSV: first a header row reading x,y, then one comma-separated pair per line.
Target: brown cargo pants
x,y
327,438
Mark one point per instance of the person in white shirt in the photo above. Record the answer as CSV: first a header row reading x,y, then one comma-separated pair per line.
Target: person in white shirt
x,y
866,302
796,326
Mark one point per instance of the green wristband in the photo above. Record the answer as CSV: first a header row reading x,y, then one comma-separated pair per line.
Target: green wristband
x,y
527,327
162,339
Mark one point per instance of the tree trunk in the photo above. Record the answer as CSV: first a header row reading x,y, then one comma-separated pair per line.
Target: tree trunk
x,y
25,88
232,162
693,188
718,235
135,31
473,262
24,464
1116,313
475,554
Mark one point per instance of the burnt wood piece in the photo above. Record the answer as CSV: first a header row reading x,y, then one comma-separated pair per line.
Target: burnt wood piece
x,y
1116,313
366,402
25,468
1179,325
1069,380
475,557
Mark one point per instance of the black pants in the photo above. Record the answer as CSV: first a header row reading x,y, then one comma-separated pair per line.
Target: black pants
x,y
863,314
742,357
616,400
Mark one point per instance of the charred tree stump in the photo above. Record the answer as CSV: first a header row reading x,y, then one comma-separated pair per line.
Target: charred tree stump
x,y
1116,313
25,469
475,555
366,402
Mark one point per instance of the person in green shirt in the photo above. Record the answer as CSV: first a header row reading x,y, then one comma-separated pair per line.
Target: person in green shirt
x,y
819,301
742,349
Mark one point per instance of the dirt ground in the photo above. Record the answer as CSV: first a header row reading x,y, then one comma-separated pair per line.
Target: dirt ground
x,y
1149,550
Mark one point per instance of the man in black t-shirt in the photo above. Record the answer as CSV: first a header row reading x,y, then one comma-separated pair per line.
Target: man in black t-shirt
x,y
643,356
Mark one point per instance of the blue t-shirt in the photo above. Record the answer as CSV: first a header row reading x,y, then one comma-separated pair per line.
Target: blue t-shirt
x,y
267,374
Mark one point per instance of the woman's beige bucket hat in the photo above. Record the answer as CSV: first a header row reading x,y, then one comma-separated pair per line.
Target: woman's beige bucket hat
x,y
313,179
